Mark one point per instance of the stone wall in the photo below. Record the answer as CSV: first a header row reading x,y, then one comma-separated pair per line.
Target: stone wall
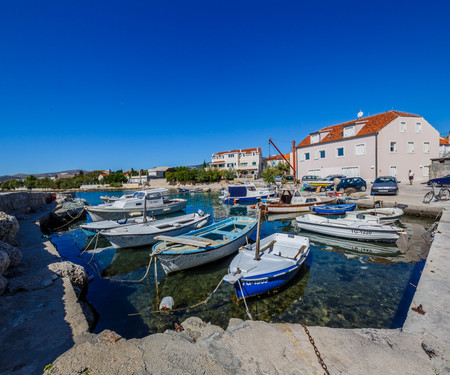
x,y
440,167
23,201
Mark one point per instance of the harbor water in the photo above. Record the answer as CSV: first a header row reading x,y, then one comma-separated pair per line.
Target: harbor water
x,y
344,284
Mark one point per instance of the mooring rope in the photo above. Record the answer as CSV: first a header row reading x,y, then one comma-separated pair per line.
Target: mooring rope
x,y
73,219
245,302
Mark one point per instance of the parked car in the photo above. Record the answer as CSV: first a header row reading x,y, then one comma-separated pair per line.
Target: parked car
x,y
324,182
350,182
441,181
385,185
310,178
289,179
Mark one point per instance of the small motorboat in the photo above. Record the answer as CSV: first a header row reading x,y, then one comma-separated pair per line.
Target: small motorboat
x,y
246,192
154,199
92,228
145,233
292,200
357,229
204,245
281,257
333,209
379,215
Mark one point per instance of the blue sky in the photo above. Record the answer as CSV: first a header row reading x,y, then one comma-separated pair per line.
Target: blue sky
x,y
122,84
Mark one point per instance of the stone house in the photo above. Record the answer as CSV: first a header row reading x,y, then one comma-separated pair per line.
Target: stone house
x,y
386,144
247,162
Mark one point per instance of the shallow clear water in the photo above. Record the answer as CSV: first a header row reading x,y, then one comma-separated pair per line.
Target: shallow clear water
x,y
344,284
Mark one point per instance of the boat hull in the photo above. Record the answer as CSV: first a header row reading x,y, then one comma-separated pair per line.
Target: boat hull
x,y
136,240
351,233
111,213
172,263
284,208
253,287
330,210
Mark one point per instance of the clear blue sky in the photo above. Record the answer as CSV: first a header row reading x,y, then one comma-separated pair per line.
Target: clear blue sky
x,y
121,84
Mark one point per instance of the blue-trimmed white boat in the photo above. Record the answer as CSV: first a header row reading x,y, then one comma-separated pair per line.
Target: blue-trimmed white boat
x,y
247,192
333,209
281,257
205,245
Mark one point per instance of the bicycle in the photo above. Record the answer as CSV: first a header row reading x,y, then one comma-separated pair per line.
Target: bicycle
x,y
443,195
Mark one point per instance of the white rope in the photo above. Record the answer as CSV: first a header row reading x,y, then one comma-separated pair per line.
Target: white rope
x,y
245,302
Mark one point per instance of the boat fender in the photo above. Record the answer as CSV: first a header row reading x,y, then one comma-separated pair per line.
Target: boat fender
x,y
236,201
166,303
253,206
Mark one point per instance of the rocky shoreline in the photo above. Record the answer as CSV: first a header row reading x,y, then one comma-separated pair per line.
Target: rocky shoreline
x,y
43,326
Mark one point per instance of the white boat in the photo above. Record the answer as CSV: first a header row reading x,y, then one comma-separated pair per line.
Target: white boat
x,y
111,199
356,229
205,245
246,192
281,256
379,215
94,227
145,233
132,207
293,201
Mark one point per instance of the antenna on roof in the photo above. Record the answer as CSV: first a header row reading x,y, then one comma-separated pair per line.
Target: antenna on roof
x,y
360,114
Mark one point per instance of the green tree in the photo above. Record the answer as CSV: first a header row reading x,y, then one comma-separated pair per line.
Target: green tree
x,y
30,181
269,174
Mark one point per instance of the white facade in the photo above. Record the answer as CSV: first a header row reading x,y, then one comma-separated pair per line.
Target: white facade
x,y
247,162
390,145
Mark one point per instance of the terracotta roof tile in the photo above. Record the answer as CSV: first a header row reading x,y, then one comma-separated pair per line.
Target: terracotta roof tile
x,y
443,141
255,149
372,124
278,157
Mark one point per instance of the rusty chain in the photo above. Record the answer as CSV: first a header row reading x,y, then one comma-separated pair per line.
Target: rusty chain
x,y
319,357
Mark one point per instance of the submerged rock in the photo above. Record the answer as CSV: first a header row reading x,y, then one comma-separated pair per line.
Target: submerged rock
x,y
15,255
9,226
3,284
76,273
4,262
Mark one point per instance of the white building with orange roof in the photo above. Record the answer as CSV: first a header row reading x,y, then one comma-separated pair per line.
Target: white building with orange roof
x,y
444,146
386,144
247,162
274,160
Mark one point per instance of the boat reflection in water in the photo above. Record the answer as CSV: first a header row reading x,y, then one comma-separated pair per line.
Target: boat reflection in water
x,y
277,305
127,260
355,249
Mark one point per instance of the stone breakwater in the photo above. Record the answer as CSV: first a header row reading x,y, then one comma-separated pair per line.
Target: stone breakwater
x,y
40,310
24,202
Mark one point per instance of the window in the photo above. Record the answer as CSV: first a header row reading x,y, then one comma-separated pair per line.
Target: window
x,y
314,138
231,155
229,165
403,127
253,153
340,151
322,154
393,147
243,154
418,127
410,147
426,147
254,163
360,149
349,131
306,155
245,164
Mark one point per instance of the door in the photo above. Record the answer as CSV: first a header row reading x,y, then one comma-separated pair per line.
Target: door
x,y
393,170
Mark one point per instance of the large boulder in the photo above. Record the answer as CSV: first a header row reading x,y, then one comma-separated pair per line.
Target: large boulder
x,y
4,262
3,284
75,272
15,255
9,226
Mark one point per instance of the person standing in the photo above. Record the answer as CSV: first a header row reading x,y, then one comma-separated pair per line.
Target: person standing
x,y
410,176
